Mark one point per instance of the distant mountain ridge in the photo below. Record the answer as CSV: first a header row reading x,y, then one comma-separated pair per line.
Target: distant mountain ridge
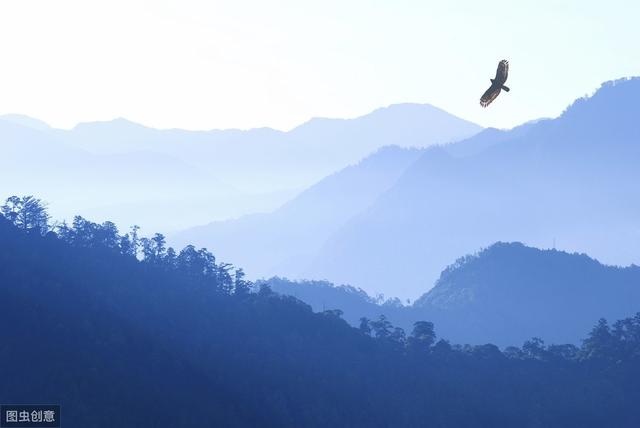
x,y
284,241
572,179
569,180
29,122
268,159
177,178
504,294
514,291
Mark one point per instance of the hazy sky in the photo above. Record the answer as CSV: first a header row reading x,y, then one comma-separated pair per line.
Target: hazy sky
x,y
217,64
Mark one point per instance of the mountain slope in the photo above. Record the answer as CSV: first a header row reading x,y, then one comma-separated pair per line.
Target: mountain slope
x,y
120,342
573,179
285,240
504,295
510,292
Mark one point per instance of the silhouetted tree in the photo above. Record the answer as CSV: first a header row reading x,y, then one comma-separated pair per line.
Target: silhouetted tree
x,y
422,337
599,343
154,249
26,213
398,336
135,240
534,348
626,334
242,287
442,348
126,246
107,236
514,352
365,326
563,352
382,327
265,291
171,258
487,352
224,279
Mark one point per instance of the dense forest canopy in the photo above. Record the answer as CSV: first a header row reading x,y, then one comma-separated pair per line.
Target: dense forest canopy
x,y
123,331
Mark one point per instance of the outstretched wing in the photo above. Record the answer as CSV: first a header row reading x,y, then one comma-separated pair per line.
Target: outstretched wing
x,y
489,95
503,72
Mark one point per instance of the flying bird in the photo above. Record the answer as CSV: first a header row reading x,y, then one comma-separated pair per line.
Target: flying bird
x,y
497,84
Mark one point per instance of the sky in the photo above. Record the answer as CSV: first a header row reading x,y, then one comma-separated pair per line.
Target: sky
x,y
200,64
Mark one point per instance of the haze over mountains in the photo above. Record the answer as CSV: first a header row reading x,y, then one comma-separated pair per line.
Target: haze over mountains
x,y
173,179
290,237
570,181
182,326
388,224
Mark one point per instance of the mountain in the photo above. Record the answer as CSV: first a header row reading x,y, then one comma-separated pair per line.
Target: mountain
x,y
41,163
355,303
403,125
172,179
510,292
284,241
505,294
268,160
29,122
571,180
168,341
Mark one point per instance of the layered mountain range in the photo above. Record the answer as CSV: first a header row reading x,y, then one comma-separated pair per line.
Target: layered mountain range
x,y
165,180
571,182
505,294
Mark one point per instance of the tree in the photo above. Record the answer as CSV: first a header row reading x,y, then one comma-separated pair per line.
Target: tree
x,y
534,348
382,327
241,286
626,334
265,291
513,352
224,280
154,249
107,235
563,352
365,326
135,240
442,347
83,232
170,258
599,343
422,337
26,213
64,232
126,246
209,267
487,352
188,261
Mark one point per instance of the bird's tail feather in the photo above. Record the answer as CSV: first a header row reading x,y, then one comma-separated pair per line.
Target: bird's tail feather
x,y
506,88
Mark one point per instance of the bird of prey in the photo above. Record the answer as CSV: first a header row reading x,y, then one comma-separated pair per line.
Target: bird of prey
x,y
497,84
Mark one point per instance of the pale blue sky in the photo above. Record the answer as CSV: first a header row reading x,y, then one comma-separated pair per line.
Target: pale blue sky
x,y
216,64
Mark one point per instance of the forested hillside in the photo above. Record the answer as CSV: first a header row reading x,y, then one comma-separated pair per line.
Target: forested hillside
x,y
504,294
122,331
